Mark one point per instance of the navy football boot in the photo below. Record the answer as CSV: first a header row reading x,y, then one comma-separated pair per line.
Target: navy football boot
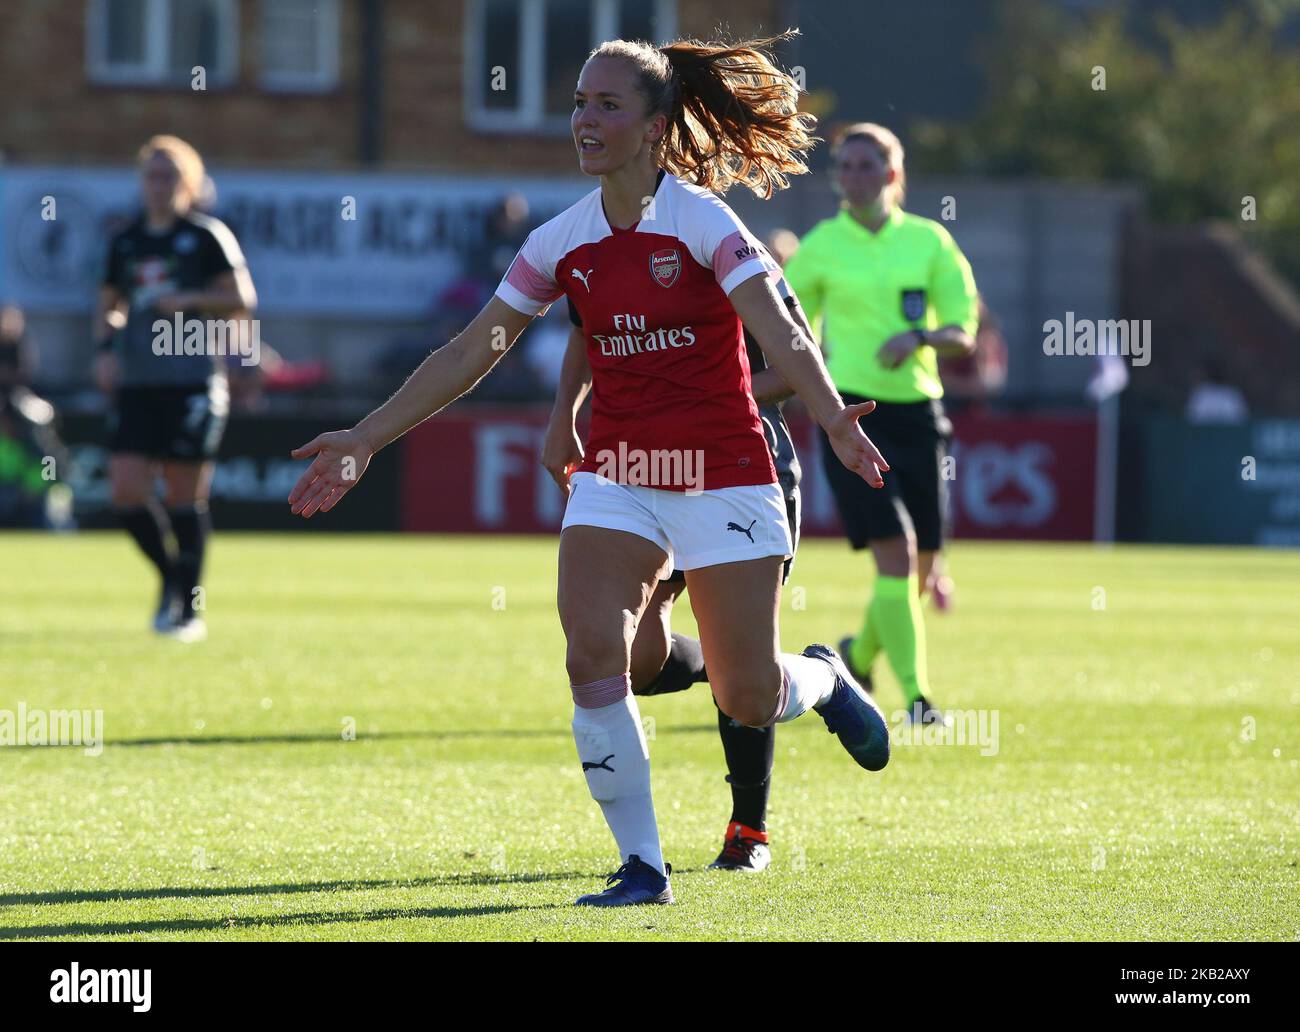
x,y
852,714
634,883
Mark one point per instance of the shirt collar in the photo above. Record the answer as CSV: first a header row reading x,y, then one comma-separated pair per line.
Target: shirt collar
x,y
892,221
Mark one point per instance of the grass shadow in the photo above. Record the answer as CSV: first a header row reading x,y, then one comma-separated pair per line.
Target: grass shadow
x,y
96,930
310,738
352,885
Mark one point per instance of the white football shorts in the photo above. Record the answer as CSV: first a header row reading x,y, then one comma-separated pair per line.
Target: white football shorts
x,y
724,525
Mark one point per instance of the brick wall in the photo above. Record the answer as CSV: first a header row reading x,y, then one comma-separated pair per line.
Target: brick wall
x,y
50,112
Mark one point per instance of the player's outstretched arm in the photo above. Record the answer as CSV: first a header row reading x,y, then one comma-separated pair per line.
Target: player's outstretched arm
x,y
342,456
561,448
790,351
768,385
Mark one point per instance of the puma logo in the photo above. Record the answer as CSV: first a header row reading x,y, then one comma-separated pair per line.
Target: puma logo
x,y
602,765
583,277
744,530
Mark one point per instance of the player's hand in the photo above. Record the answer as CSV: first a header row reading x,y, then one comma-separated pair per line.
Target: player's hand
x,y
561,452
853,447
341,457
106,371
895,351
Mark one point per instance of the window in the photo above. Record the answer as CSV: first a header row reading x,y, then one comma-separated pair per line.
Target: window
x,y
522,57
161,41
300,45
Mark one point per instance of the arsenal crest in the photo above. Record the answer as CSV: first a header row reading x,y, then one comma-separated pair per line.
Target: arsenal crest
x,y
665,266
913,305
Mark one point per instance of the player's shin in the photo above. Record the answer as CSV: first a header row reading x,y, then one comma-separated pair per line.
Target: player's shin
x,y
151,531
616,761
192,525
749,752
805,683
901,625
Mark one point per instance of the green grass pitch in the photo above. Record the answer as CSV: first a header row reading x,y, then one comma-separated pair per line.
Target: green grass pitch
x,y
1145,783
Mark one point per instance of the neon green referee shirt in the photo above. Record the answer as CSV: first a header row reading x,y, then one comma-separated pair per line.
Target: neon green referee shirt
x,y
860,288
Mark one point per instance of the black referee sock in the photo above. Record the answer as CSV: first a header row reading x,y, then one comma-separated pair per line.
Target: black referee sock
x,y
749,752
192,525
148,527
683,668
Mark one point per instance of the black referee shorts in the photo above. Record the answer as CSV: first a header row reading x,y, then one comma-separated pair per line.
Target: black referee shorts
x,y
913,437
793,508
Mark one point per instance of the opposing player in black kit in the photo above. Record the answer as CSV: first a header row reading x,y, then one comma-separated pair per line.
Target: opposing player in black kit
x,y
171,267
663,661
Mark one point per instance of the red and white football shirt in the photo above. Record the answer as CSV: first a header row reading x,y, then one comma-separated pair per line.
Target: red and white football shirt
x,y
667,349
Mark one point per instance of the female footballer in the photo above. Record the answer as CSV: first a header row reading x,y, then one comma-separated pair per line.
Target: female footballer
x,y
168,404
896,294
662,273
663,661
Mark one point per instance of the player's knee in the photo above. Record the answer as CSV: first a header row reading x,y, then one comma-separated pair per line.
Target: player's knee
x,y
750,695
180,492
747,710
592,655
895,556
128,492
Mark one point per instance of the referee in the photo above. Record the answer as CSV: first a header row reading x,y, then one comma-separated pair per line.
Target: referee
x,y
893,294
172,265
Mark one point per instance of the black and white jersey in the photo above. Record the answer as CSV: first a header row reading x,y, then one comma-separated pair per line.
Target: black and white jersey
x,y
143,266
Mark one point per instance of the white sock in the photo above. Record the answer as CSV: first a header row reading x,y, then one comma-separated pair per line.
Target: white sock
x,y
616,760
807,682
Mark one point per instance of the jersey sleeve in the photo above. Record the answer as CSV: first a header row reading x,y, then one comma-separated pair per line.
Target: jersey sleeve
x,y
221,252
529,284
720,241
952,286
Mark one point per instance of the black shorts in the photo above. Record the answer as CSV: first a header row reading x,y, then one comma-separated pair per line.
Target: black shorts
x,y
913,437
793,508
181,424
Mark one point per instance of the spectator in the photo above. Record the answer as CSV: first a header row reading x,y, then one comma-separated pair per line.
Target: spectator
x,y
31,454
781,244
522,375
971,381
1214,400
507,229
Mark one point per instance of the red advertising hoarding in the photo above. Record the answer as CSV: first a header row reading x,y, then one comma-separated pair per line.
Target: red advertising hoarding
x,y
476,469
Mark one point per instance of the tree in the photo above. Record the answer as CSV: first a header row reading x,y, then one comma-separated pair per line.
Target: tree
x,y
1206,117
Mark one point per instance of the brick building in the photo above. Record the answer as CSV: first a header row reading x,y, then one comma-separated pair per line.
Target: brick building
x,y
449,85
427,111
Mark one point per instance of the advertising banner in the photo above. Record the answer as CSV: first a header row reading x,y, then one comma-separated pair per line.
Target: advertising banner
x,y
1023,477
318,244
